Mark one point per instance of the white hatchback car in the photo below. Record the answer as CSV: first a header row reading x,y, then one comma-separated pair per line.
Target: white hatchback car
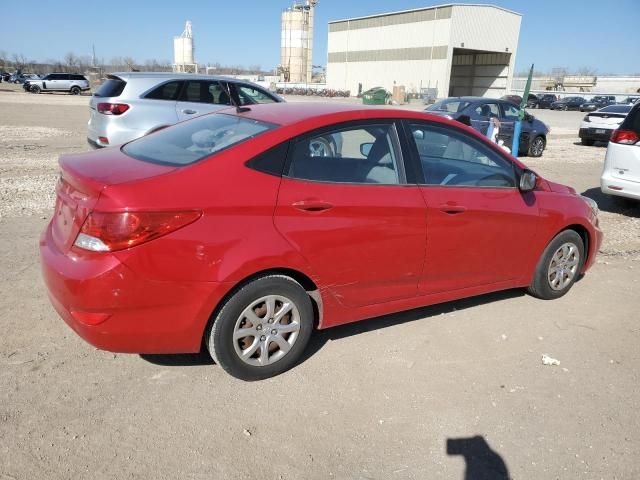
x,y
621,173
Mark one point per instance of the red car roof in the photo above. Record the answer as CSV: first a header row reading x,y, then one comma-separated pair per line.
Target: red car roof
x,y
296,112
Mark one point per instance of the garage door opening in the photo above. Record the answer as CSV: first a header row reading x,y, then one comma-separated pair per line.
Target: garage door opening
x,y
478,73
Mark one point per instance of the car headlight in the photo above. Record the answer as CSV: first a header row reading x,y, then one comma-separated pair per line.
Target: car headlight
x,y
592,203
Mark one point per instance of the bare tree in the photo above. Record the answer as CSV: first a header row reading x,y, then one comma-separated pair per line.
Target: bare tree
x,y
19,61
587,71
71,61
130,63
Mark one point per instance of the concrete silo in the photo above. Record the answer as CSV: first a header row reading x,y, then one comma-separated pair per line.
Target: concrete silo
x,y
297,42
183,51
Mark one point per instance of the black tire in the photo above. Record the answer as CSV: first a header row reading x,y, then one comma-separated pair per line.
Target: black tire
x,y
541,285
220,332
75,91
587,141
565,108
34,89
536,146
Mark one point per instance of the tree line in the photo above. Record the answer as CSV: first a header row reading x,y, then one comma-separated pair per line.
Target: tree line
x,y
72,63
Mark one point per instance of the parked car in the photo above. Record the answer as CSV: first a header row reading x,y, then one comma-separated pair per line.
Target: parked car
x,y
130,105
533,137
4,76
517,99
597,102
58,82
543,101
630,100
621,172
598,126
568,103
22,77
229,231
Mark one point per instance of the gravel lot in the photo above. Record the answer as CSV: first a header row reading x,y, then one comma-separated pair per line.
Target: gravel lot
x,y
385,398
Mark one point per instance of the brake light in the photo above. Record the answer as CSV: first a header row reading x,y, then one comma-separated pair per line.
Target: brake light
x,y
625,137
112,108
111,231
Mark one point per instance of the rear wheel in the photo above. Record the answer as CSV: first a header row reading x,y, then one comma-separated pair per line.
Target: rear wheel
x,y
565,108
558,267
74,91
262,329
587,141
536,147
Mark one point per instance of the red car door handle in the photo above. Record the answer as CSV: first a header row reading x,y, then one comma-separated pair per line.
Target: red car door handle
x,y
452,209
312,205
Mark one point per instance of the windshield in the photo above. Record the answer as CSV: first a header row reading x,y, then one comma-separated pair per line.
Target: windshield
x,y
188,142
451,106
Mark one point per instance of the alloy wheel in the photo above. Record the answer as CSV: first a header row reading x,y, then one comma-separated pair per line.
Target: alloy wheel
x,y
266,330
563,266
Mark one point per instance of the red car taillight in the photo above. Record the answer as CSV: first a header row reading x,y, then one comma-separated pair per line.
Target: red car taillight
x,y
626,137
112,108
108,232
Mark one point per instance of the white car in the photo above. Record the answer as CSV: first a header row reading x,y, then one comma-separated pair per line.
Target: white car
x,y
132,104
597,126
621,173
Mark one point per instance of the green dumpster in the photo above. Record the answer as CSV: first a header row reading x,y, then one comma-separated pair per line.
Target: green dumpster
x,y
375,96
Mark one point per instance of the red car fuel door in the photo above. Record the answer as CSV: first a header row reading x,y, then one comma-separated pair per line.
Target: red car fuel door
x,y
479,224
344,205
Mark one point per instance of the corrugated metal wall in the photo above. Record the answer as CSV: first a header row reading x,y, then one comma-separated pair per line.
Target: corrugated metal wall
x,y
415,48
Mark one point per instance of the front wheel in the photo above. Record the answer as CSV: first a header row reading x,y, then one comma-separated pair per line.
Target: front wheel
x,y
566,107
536,147
75,91
35,89
558,267
262,329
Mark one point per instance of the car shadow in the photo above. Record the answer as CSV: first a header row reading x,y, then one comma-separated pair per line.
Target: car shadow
x,y
613,204
482,462
321,337
595,144
180,359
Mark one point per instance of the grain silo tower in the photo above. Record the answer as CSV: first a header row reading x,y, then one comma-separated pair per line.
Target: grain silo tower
x,y
183,52
297,42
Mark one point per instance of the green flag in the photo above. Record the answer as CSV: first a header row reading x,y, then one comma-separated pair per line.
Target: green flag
x,y
525,95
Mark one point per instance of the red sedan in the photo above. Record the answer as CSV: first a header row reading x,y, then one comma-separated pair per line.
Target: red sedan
x,y
246,230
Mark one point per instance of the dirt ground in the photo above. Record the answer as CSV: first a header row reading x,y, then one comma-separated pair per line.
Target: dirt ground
x,y
425,394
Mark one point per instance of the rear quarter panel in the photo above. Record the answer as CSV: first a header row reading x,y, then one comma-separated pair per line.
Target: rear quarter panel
x,y
234,238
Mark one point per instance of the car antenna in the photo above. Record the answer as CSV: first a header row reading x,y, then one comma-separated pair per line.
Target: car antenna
x,y
233,100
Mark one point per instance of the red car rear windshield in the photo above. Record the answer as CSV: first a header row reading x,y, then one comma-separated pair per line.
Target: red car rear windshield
x,y
188,142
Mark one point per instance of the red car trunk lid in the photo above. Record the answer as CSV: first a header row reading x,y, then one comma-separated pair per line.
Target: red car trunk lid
x,y
83,178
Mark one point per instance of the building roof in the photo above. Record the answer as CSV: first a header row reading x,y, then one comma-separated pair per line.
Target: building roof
x,y
427,8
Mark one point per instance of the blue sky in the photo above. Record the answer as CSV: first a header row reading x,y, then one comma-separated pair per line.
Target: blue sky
x,y
568,33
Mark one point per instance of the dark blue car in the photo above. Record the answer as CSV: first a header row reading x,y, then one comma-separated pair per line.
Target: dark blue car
x,y
480,111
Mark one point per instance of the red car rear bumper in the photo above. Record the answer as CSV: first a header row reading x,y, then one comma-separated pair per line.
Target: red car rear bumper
x,y
113,308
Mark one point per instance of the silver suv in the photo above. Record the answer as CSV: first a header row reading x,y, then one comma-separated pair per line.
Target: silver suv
x,y
130,105
57,82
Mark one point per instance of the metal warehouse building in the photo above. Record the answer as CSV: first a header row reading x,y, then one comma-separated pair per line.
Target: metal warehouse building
x,y
458,49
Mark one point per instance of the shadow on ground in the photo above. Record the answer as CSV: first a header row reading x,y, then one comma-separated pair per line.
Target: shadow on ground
x,y
321,337
482,462
595,144
614,204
